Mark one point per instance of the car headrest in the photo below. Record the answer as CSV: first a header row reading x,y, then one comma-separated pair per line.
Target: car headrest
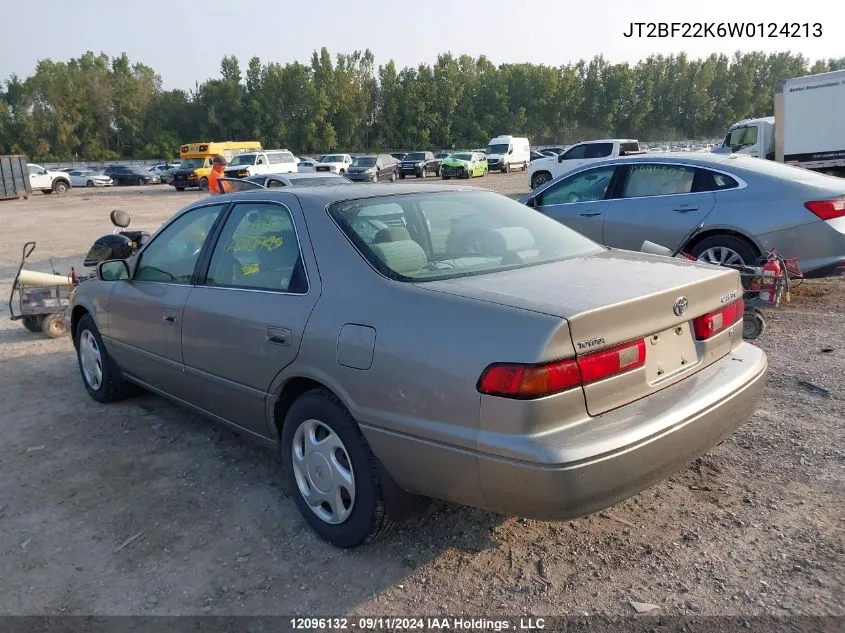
x,y
392,234
507,239
403,257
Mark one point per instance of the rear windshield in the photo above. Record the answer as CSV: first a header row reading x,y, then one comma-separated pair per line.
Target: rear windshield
x,y
364,161
462,156
439,235
318,182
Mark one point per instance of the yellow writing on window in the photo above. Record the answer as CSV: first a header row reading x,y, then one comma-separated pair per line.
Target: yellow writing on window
x,y
254,243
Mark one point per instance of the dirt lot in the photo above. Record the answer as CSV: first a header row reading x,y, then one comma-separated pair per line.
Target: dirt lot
x,y
142,508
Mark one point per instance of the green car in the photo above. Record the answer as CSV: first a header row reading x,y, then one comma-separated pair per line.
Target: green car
x,y
464,165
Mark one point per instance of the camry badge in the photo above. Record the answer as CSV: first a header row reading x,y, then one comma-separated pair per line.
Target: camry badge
x,y
680,306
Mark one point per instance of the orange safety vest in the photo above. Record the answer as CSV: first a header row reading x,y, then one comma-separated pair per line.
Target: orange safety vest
x,y
216,187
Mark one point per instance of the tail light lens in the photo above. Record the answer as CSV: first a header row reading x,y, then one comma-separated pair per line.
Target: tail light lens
x,y
521,381
827,209
709,325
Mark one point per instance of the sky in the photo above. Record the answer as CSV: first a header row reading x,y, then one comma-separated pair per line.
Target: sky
x,y
184,41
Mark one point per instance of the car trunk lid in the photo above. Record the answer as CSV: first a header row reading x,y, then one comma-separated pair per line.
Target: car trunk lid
x,y
616,297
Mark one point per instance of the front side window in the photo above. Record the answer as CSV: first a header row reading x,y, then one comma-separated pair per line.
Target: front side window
x,y
172,254
436,235
658,180
588,186
576,153
258,250
243,159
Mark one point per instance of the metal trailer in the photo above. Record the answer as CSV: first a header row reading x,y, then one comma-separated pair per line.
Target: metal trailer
x,y
14,177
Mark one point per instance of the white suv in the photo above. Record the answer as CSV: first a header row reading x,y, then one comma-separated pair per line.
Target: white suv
x,y
543,170
46,180
270,161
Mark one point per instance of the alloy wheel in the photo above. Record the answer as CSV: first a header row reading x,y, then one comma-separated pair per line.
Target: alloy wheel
x,y
91,360
721,256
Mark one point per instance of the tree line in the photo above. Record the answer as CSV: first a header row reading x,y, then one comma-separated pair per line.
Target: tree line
x,y
99,108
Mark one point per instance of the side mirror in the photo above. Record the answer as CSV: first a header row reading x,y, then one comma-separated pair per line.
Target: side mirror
x,y
113,270
560,158
531,202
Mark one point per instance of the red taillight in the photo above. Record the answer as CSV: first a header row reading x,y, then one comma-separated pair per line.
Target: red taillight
x,y
708,325
203,148
515,380
512,380
827,209
184,149
610,362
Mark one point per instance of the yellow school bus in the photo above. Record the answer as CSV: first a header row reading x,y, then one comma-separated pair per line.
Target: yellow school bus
x,y
196,161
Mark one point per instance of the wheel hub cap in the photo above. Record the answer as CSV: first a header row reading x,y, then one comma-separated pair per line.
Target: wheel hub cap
x,y
323,471
91,360
722,256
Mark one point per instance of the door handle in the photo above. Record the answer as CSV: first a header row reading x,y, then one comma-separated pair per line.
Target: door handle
x,y
168,318
279,336
685,209
590,214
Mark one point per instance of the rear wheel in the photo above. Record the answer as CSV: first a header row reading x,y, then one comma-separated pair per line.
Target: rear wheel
x,y
33,323
54,325
753,324
332,472
725,250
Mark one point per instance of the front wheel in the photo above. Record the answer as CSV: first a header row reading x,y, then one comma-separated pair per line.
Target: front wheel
x,y
393,176
332,472
402,176
90,183
180,188
60,187
445,177
506,168
540,178
204,184
100,374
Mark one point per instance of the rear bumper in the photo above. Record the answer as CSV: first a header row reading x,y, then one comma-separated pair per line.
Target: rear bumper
x,y
578,469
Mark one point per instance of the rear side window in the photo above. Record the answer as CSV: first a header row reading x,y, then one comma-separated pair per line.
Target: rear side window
x,y
658,180
598,150
287,157
706,180
275,159
631,146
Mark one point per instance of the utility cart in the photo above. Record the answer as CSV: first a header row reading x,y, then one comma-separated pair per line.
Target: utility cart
x,y
40,300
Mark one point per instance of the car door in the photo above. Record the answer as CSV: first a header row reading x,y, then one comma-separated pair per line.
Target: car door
x,y
244,323
659,202
579,201
38,177
145,313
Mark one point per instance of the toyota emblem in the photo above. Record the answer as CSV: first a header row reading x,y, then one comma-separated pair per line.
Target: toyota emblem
x,y
680,306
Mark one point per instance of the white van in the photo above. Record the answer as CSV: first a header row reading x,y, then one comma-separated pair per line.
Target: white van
x,y
505,153
271,161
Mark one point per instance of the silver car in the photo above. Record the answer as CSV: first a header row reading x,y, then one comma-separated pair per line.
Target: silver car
x,y
398,342
745,207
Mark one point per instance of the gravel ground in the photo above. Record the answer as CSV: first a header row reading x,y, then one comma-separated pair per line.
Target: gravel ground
x,y
143,508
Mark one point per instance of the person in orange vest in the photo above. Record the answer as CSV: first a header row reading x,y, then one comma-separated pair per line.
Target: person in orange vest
x,y
216,186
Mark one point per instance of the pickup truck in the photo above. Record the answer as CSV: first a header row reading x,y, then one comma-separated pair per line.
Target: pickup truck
x,y
46,180
541,171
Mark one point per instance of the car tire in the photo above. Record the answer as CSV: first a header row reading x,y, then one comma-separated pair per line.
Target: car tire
x,y
110,386
393,176
753,324
319,414
203,184
445,177
60,186
33,323
540,178
724,249
54,325
47,191
506,168
90,183
179,188
421,174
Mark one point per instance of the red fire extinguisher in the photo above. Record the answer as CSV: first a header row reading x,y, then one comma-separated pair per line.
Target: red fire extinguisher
x,y
769,281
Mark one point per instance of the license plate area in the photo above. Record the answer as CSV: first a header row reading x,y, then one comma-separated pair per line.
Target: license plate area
x,y
669,353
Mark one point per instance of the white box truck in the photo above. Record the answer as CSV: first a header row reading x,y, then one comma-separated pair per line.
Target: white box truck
x,y
808,129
